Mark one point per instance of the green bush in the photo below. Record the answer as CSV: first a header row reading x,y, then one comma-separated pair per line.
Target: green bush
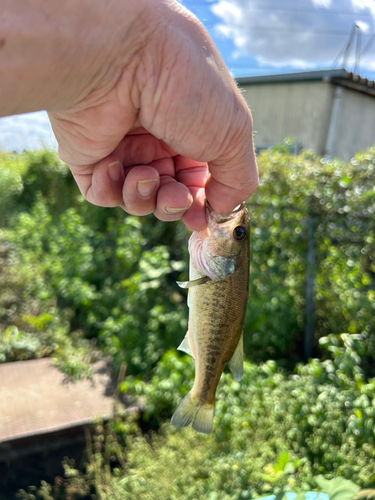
x,y
339,201
99,273
112,276
272,433
77,278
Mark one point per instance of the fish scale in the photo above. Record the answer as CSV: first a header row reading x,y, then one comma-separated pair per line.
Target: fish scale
x,y
227,319
217,306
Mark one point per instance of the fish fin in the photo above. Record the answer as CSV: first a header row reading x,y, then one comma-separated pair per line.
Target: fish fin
x,y
236,361
185,345
193,410
204,419
190,284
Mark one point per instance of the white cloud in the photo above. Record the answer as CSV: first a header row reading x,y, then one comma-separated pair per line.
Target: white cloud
x,y
230,11
322,3
29,131
297,33
365,4
364,27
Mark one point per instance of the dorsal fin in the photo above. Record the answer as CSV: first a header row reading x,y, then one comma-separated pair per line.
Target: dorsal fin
x,y
185,346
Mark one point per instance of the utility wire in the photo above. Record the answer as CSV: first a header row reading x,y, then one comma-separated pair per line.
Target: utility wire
x,y
344,54
357,50
364,51
349,44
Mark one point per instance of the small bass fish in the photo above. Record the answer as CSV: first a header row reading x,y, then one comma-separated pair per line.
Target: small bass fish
x,y
218,293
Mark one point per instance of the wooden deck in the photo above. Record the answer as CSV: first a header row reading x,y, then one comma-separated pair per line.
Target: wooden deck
x,y
36,399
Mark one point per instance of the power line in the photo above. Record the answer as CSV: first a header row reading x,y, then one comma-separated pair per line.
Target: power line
x,y
364,51
344,54
357,50
347,48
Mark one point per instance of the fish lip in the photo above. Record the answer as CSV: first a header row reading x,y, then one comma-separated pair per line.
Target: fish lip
x,y
225,217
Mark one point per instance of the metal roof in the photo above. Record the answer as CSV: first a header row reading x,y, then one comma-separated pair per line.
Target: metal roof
x,y
335,76
325,75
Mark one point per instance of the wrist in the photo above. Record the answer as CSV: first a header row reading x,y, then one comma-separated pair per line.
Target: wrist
x,y
54,54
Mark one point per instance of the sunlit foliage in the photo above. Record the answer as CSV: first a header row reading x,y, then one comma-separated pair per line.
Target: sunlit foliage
x,y
111,277
340,200
78,281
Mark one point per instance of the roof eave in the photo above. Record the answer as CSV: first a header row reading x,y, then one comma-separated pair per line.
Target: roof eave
x,y
319,75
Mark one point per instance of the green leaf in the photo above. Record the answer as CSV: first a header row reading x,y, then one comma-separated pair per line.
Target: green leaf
x,y
289,468
338,488
344,182
282,460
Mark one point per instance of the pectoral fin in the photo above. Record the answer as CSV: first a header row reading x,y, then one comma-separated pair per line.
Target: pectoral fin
x,y
236,361
190,284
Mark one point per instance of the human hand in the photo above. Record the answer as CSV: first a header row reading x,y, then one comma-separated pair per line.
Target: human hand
x,y
143,105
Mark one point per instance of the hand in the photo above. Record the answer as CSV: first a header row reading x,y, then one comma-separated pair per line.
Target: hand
x,y
144,105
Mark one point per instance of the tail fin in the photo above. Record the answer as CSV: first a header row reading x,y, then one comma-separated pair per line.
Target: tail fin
x,y
193,410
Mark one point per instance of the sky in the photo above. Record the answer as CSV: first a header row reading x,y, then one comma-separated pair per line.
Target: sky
x,y
256,37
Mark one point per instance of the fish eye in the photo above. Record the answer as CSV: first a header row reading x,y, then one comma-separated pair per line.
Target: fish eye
x,y
239,232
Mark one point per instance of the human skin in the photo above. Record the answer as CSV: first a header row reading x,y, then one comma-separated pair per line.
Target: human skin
x,y
139,99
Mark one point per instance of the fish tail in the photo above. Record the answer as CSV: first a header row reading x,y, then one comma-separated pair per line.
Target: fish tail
x,y
192,409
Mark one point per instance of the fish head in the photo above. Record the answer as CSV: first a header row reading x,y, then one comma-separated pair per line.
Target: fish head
x,y
228,234
218,250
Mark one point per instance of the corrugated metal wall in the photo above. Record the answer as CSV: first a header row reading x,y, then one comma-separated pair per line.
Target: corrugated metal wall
x,y
302,110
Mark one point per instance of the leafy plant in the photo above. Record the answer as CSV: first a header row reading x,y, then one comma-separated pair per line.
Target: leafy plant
x,y
77,279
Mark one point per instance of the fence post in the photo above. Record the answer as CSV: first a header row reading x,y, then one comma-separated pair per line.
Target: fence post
x,y
309,288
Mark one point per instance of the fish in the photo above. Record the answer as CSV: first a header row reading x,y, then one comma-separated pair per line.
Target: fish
x,y
218,290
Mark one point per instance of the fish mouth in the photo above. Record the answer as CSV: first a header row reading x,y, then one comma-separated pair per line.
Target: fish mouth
x,y
227,216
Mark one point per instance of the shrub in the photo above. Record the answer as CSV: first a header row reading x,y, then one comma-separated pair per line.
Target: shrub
x,y
113,275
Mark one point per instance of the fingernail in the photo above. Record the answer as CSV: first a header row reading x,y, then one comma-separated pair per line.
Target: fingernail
x,y
114,170
146,188
171,210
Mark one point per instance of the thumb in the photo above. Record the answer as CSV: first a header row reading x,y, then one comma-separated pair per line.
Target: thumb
x,y
234,174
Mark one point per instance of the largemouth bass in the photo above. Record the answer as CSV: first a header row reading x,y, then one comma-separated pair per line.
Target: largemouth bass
x,y
218,292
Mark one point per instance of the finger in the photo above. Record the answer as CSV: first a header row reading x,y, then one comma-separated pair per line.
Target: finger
x,y
140,190
101,184
142,183
193,175
224,198
234,174
190,172
141,149
195,218
173,200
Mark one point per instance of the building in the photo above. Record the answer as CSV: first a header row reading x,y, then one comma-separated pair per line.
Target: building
x,y
331,112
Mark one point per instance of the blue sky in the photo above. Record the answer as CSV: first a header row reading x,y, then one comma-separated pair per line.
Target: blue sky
x,y
279,36
255,37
